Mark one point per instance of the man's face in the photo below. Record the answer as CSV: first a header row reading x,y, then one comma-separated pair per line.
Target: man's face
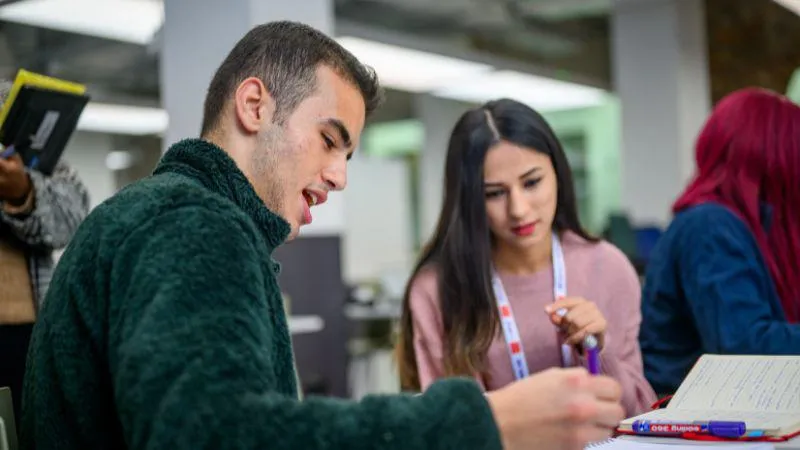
x,y
296,164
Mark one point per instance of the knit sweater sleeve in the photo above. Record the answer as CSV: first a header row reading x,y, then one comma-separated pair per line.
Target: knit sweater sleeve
x,y
187,354
621,357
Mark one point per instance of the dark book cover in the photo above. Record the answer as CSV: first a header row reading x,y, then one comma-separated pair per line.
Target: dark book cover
x,y
39,124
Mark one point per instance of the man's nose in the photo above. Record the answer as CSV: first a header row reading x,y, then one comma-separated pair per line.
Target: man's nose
x,y
335,177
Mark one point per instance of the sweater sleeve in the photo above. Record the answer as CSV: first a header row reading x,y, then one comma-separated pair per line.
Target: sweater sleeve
x,y
60,203
428,330
189,325
728,289
621,358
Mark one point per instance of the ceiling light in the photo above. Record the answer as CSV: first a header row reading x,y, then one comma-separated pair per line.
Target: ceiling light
x,y
791,5
133,21
410,70
543,94
120,119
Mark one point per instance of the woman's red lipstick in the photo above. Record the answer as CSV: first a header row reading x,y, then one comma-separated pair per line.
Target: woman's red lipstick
x,y
524,230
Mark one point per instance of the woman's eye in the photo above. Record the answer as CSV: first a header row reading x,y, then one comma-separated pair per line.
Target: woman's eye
x,y
493,194
531,183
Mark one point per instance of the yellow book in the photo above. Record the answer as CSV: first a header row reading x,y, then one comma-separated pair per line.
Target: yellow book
x,y
38,118
26,78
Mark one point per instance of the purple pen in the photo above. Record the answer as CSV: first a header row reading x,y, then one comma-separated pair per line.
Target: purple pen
x,y
590,346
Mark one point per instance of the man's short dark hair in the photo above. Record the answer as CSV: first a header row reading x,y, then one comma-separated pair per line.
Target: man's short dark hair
x,y
285,56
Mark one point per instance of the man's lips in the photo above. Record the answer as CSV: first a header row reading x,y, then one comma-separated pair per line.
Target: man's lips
x,y
312,197
315,196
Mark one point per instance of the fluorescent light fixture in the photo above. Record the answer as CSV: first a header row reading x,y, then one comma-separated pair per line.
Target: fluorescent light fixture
x,y
410,70
121,119
791,5
544,94
133,21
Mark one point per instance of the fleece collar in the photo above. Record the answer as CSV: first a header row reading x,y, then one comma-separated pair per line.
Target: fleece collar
x,y
212,167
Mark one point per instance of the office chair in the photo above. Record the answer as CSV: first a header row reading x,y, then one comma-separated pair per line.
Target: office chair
x,y
8,427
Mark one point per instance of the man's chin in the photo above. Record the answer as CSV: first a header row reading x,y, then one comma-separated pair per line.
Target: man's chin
x,y
293,232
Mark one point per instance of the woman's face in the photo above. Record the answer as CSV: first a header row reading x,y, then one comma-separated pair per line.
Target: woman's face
x,y
521,190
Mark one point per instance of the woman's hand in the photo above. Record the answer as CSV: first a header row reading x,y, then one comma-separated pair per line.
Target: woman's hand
x,y
577,318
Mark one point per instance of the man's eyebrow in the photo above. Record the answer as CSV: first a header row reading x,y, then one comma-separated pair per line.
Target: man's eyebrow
x,y
343,133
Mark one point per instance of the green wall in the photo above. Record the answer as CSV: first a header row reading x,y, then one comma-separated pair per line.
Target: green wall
x,y
600,128
793,89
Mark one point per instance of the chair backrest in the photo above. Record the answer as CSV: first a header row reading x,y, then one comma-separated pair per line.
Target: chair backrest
x,y
622,234
8,433
3,436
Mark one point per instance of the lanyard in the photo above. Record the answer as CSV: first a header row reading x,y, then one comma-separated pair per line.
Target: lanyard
x,y
510,331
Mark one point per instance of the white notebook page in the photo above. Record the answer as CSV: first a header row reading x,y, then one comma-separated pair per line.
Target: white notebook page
x,y
768,384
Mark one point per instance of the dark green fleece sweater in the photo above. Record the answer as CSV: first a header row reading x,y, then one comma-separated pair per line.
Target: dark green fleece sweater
x,y
164,329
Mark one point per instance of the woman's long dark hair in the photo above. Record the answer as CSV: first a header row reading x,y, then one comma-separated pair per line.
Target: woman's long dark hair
x,y
461,248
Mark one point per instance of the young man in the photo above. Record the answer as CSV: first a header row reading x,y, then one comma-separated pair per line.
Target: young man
x,y
165,326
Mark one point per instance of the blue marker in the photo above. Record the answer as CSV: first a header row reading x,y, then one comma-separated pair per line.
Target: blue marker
x,y
717,428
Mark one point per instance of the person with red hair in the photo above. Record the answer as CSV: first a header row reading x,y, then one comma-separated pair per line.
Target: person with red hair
x,y
725,276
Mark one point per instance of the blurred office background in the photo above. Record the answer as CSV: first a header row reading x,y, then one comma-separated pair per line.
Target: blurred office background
x,y
626,85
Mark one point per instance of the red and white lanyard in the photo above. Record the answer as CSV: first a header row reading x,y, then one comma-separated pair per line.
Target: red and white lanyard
x,y
510,331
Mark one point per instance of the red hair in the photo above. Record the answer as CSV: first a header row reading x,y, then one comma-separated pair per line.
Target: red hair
x,y
747,154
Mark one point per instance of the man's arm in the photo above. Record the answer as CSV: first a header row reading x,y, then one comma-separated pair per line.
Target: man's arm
x,y
55,207
189,355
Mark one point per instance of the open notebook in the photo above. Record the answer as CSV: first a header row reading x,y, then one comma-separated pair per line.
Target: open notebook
x,y
761,391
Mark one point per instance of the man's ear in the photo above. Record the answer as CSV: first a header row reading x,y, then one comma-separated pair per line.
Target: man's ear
x,y
253,105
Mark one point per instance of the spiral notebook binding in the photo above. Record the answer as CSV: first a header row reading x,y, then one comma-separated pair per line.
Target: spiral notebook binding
x,y
599,444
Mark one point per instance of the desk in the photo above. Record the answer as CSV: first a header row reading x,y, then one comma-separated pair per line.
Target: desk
x,y
793,444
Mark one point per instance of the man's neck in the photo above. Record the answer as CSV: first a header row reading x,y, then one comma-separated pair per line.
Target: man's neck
x,y
523,261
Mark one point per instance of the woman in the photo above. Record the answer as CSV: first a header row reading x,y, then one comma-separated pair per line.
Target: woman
x,y
724,277
39,213
510,217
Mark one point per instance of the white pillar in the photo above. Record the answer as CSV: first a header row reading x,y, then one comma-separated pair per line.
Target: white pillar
x,y
197,36
86,153
660,72
438,116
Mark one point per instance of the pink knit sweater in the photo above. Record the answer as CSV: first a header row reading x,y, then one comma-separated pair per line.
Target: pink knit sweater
x,y
598,272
